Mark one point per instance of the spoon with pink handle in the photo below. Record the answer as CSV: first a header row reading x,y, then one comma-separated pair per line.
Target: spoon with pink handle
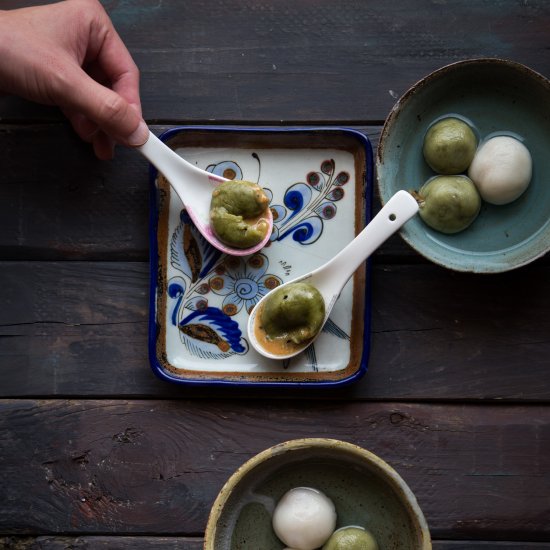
x,y
194,187
330,278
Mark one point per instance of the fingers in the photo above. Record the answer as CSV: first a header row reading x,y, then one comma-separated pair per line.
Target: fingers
x,y
106,90
104,146
101,98
84,127
110,111
113,61
89,131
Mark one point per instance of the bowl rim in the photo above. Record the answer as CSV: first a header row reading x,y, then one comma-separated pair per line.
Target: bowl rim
x,y
396,482
418,87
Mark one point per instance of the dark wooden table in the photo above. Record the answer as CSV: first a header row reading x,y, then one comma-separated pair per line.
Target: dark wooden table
x,y
96,452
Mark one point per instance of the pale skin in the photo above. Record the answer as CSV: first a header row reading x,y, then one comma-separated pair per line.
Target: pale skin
x,y
69,54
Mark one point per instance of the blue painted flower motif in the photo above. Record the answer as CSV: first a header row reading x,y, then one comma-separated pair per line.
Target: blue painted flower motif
x,y
207,328
226,169
210,327
242,282
307,204
190,252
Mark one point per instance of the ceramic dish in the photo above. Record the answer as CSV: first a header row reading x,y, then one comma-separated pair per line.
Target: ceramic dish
x,y
319,183
499,98
365,490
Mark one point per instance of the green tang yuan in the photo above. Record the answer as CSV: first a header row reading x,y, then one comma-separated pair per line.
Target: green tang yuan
x,y
235,213
295,312
448,203
351,538
449,146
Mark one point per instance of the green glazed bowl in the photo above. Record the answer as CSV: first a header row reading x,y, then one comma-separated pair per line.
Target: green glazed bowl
x,y
498,97
365,490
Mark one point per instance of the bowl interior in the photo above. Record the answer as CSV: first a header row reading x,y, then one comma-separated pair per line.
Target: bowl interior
x,y
362,492
499,98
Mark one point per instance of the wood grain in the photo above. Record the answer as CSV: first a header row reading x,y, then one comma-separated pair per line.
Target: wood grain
x,y
66,204
80,329
99,543
141,467
297,60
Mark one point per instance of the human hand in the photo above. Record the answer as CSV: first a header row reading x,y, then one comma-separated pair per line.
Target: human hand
x,y
69,54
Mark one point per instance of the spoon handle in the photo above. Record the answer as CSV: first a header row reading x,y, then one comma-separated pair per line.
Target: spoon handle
x,y
172,166
399,209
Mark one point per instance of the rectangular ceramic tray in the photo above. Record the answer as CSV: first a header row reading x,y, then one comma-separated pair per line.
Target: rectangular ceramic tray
x,y
319,181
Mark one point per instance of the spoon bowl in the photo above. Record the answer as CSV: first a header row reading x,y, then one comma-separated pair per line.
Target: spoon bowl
x,y
330,278
194,187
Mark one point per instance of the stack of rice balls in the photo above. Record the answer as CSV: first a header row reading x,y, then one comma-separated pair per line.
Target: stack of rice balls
x,y
305,519
496,171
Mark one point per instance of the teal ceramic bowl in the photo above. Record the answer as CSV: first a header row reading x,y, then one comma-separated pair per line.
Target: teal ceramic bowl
x,y
497,97
365,490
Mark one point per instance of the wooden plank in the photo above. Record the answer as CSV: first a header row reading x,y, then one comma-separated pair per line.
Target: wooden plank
x,y
298,61
68,205
141,467
180,543
80,329
100,543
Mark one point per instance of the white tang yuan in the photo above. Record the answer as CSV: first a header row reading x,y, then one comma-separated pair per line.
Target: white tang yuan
x,y
501,169
304,518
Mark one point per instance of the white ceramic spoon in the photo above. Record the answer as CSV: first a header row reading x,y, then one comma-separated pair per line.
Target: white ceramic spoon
x,y
194,187
330,278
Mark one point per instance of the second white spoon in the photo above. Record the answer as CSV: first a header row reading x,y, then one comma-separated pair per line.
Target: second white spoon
x,y
330,278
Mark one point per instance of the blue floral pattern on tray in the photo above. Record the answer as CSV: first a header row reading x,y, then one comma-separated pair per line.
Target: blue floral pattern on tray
x,y
208,277
308,204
